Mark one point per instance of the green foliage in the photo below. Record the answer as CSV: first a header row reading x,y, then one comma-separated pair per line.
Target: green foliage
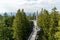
x,y
6,27
48,24
6,34
43,22
21,26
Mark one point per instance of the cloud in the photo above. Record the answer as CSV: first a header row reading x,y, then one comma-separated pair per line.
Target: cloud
x,y
28,5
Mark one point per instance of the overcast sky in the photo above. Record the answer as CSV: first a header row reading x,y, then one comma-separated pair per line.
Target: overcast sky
x,y
28,5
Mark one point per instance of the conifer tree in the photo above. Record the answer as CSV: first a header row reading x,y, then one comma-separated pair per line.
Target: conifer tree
x,y
43,23
53,23
21,26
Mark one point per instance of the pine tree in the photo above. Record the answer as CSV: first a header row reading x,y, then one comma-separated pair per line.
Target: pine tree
x,y
43,22
54,23
5,31
21,26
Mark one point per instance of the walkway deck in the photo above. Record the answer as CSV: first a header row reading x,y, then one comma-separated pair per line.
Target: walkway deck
x,y
34,32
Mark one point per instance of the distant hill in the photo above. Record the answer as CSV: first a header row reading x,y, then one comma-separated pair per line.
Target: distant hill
x,y
14,13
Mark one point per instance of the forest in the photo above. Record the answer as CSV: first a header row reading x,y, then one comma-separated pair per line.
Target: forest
x,y
18,27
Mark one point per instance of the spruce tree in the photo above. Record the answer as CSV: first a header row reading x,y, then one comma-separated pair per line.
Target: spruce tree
x,y
21,26
54,23
43,23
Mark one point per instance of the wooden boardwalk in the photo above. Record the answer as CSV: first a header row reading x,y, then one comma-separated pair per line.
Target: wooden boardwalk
x,y
33,35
